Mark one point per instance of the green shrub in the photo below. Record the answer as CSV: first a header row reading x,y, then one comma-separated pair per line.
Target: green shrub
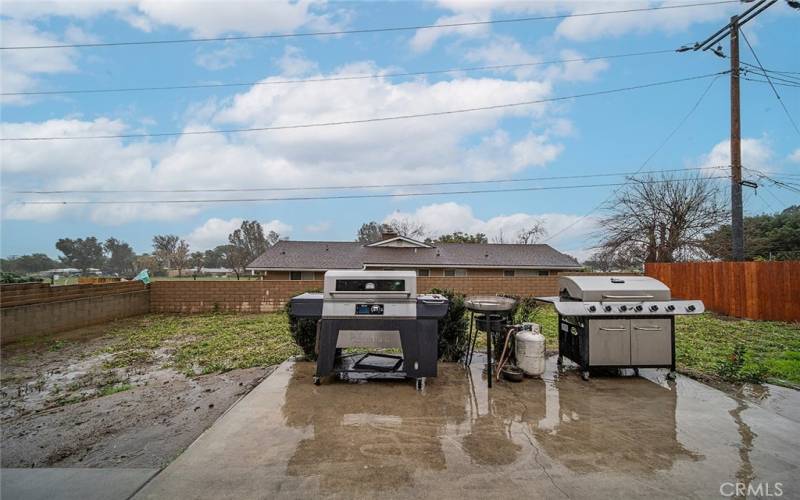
x,y
6,278
304,333
453,327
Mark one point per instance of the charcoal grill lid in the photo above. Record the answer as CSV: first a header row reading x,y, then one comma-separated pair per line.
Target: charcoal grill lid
x,y
490,303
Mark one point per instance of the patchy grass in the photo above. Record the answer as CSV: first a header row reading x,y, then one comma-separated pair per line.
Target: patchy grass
x,y
708,345
113,389
205,343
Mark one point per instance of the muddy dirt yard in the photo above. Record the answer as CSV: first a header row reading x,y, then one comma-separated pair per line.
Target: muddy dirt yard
x,y
132,393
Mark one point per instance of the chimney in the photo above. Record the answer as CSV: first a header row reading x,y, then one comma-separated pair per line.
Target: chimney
x,y
388,233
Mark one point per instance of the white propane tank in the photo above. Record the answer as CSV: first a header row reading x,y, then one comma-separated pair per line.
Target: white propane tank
x,y
530,351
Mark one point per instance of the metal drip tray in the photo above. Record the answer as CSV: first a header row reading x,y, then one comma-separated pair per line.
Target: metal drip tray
x,y
490,303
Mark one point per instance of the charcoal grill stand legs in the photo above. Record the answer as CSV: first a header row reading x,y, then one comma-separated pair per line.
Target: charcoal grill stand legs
x,y
489,355
470,341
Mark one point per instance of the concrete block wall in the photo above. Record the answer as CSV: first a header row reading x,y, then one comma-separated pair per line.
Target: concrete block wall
x,y
48,317
272,295
226,296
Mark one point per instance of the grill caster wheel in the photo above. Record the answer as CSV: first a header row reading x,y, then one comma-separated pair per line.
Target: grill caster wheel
x,y
636,371
672,375
585,375
316,380
420,384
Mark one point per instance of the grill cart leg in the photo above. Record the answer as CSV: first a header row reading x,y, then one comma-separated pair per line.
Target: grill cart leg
x,y
316,380
636,371
585,374
489,355
421,383
560,360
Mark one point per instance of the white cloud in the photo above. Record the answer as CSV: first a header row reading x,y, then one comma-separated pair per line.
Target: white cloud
x,y
575,28
222,58
795,156
21,71
215,231
756,154
202,18
444,218
293,63
466,146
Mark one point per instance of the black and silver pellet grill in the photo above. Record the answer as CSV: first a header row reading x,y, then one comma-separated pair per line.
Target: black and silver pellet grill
x,y
618,322
374,310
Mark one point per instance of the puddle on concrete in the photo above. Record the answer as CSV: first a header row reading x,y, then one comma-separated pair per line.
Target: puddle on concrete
x,y
558,437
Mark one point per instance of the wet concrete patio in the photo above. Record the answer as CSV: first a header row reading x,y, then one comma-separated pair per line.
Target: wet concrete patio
x,y
558,437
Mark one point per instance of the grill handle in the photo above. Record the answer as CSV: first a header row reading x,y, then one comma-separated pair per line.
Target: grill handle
x,y
648,328
626,297
607,329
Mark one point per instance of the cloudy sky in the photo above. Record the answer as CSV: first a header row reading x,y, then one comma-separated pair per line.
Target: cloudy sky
x,y
579,137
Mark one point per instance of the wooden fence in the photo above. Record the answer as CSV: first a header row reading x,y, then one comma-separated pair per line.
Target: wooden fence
x,y
754,290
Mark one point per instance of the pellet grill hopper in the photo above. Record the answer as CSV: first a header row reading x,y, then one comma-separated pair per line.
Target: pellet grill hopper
x,y
374,310
618,322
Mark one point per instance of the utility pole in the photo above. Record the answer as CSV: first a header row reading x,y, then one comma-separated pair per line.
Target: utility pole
x,y
737,217
732,29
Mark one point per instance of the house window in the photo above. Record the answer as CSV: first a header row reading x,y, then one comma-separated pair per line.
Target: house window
x,y
423,272
302,275
544,273
296,275
455,272
508,273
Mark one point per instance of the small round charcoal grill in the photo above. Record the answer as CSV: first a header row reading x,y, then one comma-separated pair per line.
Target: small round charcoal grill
x,y
493,315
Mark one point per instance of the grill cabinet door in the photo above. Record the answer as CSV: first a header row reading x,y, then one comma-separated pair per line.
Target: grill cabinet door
x,y
609,342
651,341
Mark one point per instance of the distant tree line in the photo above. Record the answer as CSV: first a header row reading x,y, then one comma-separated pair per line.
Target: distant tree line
x,y
170,252
371,232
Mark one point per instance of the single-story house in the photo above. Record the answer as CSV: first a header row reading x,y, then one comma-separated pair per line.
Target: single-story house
x,y
307,260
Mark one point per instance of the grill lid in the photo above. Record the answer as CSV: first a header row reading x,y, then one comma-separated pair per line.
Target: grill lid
x,y
612,288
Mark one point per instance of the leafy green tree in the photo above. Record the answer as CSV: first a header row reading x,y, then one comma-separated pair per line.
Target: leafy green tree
x,y
246,244
164,248
25,264
121,257
180,259
767,237
81,253
369,232
196,260
215,257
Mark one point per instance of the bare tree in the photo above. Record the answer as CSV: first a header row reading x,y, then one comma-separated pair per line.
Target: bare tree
x,y
532,234
661,219
247,243
408,228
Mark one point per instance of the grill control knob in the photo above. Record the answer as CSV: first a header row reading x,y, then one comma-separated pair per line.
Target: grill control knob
x,y
653,308
690,308
638,308
623,308
592,309
670,308
607,309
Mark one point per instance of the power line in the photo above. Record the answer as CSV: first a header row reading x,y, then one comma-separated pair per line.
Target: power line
x,y
646,161
777,95
365,120
360,186
795,85
367,30
332,79
335,197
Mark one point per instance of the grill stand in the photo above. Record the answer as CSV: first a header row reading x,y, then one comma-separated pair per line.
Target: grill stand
x,y
574,344
418,338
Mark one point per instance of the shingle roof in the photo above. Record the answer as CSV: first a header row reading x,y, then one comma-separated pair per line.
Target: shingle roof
x,y
352,255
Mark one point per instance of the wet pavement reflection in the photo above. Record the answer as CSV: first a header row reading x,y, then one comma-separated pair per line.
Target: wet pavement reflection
x,y
555,437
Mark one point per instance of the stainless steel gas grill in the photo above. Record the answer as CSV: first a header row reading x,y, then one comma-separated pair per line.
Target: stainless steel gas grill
x,y
618,322
378,310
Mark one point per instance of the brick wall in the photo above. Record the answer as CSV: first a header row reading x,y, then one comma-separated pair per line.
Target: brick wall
x,y
226,296
39,310
272,295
